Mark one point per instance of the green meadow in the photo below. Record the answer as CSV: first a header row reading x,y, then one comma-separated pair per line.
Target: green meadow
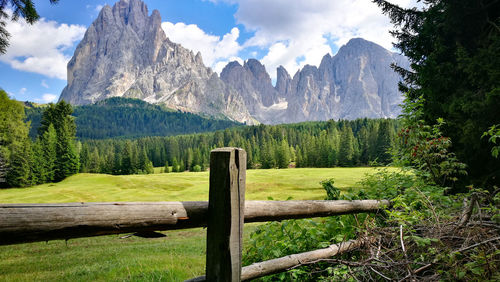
x,y
177,257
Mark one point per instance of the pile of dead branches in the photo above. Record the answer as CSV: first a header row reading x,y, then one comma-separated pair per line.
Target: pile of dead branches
x,y
460,248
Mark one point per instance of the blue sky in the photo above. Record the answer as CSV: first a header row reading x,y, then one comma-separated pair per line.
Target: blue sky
x,y
277,32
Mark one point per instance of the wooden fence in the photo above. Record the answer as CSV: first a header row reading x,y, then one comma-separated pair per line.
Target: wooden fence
x,y
224,215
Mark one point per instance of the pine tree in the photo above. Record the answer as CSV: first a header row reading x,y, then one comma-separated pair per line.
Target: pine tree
x,y
67,162
453,49
283,155
143,161
346,150
67,154
175,165
13,135
38,171
127,163
383,144
19,174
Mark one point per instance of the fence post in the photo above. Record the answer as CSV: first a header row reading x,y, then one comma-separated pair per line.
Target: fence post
x,y
225,214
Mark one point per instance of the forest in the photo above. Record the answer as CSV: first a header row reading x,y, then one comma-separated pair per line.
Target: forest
x,y
130,118
360,142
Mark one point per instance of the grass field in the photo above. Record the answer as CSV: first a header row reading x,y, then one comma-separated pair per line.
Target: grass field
x,y
299,183
177,257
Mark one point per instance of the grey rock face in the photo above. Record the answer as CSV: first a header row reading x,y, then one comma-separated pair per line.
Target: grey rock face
x,y
357,82
254,84
126,53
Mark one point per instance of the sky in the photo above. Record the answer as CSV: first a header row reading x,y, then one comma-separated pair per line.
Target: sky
x,y
291,33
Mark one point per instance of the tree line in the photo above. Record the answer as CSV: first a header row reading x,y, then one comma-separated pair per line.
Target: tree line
x,y
52,156
130,118
311,144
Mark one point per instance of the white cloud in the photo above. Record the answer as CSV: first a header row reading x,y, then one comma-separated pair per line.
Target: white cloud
x,y
213,49
98,8
44,84
297,33
22,91
40,47
47,98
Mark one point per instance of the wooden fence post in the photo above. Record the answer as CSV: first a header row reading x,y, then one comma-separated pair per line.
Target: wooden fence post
x,y
225,214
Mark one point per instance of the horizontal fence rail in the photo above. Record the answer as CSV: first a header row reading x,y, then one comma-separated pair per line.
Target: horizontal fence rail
x,y
277,265
22,223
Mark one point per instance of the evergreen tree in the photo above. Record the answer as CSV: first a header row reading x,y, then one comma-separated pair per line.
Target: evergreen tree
x,y
67,154
453,48
14,153
127,162
346,150
175,165
117,164
364,146
19,174
67,161
267,156
94,161
384,138
283,155
149,168
143,161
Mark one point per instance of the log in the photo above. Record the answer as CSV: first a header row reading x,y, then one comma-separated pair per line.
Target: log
x,y
278,265
225,214
268,267
258,211
22,223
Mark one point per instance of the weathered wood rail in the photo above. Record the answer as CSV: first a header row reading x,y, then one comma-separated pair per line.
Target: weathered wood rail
x,y
224,214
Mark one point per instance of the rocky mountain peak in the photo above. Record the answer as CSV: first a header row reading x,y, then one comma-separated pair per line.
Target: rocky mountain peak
x,y
125,53
283,81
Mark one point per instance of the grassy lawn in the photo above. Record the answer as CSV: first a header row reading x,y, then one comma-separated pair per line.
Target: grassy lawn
x,y
177,257
299,183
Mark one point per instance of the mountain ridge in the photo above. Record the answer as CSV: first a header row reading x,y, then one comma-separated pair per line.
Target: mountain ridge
x,y
125,53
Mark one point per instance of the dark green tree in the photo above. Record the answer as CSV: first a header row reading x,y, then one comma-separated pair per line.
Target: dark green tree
x,y
19,174
384,142
67,161
175,165
14,153
283,155
346,147
453,48
127,162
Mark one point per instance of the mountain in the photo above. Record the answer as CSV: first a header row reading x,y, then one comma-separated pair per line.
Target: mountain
x,y
125,53
254,84
357,82
129,118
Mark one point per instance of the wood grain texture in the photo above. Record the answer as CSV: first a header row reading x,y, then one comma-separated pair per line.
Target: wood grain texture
x,y
21,223
225,214
278,265
258,211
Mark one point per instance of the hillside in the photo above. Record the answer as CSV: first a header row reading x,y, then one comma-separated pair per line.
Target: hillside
x,y
126,118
